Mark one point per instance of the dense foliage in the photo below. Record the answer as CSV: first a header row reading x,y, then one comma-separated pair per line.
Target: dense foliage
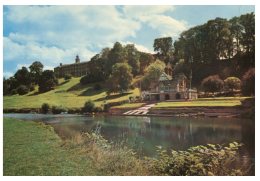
x,y
45,108
22,89
248,82
47,81
152,73
120,79
232,83
199,160
212,84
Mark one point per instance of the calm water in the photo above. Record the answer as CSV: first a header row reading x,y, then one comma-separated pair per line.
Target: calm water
x,y
143,134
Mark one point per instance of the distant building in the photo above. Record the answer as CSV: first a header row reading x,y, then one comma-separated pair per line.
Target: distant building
x,y
76,69
169,87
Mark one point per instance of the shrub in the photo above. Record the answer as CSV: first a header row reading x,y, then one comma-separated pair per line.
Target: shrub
x,y
97,87
248,82
98,109
89,106
13,91
45,108
58,109
22,89
212,84
74,110
198,160
31,87
67,76
232,83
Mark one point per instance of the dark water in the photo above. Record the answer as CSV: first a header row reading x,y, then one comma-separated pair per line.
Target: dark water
x,y
143,134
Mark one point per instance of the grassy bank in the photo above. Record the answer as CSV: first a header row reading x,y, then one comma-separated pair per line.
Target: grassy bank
x,y
70,94
34,149
203,102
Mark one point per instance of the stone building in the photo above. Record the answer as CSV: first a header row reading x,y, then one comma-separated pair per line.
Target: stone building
x,y
170,87
76,69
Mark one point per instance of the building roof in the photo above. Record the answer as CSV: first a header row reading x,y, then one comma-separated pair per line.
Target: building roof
x,y
165,77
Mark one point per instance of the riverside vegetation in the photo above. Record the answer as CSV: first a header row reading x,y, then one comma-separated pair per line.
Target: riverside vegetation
x,y
27,143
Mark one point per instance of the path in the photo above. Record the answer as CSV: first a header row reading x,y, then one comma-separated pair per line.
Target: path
x,y
140,111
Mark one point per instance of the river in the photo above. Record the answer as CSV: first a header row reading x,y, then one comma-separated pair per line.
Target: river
x,y
143,134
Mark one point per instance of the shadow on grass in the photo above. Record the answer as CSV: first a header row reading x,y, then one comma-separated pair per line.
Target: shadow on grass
x,y
91,92
112,96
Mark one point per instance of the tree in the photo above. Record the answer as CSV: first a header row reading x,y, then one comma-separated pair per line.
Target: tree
x,y
145,60
23,76
212,84
232,83
116,55
36,70
152,73
67,76
132,56
120,79
22,89
89,106
164,47
47,81
248,82
45,108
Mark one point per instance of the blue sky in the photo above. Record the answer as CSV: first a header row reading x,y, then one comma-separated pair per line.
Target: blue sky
x,y
54,34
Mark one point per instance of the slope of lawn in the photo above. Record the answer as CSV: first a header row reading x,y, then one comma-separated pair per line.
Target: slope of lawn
x,y
34,149
69,94
204,102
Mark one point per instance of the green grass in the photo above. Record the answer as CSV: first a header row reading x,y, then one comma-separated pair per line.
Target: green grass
x,y
204,102
67,94
34,149
130,105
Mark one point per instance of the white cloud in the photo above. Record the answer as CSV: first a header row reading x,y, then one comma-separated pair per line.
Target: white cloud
x,y
155,17
8,74
139,47
54,34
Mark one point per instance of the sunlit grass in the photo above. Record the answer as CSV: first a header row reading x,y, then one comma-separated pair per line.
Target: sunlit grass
x,y
67,94
204,102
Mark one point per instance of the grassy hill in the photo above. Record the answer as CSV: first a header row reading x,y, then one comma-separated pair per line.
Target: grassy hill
x,y
70,94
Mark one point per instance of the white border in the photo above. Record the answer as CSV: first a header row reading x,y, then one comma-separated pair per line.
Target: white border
x,y
136,2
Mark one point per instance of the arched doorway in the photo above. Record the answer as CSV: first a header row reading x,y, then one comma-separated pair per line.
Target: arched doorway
x,y
178,96
167,97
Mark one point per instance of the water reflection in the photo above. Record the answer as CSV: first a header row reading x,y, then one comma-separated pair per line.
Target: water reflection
x,y
144,133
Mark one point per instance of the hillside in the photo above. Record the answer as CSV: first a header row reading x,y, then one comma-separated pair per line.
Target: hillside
x,y
69,94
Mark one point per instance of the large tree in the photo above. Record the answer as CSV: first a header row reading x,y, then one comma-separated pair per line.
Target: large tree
x,y
132,56
23,76
47,81
152,74
36,69
164,48
120,79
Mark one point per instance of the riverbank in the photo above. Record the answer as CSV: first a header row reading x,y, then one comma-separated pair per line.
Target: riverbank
x,y
32,148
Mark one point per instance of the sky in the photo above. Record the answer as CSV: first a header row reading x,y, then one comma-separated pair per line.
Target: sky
x,y
56,34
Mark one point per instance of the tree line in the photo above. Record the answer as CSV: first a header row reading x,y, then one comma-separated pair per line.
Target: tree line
x,y
220,48
25,80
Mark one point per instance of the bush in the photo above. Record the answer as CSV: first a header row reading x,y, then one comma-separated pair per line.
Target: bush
x,y
22,89
89,106
248,83
31,87
67,76
98,109
58,109
13,91
212,84
199,160
232,83
97,87
74,110
45,108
